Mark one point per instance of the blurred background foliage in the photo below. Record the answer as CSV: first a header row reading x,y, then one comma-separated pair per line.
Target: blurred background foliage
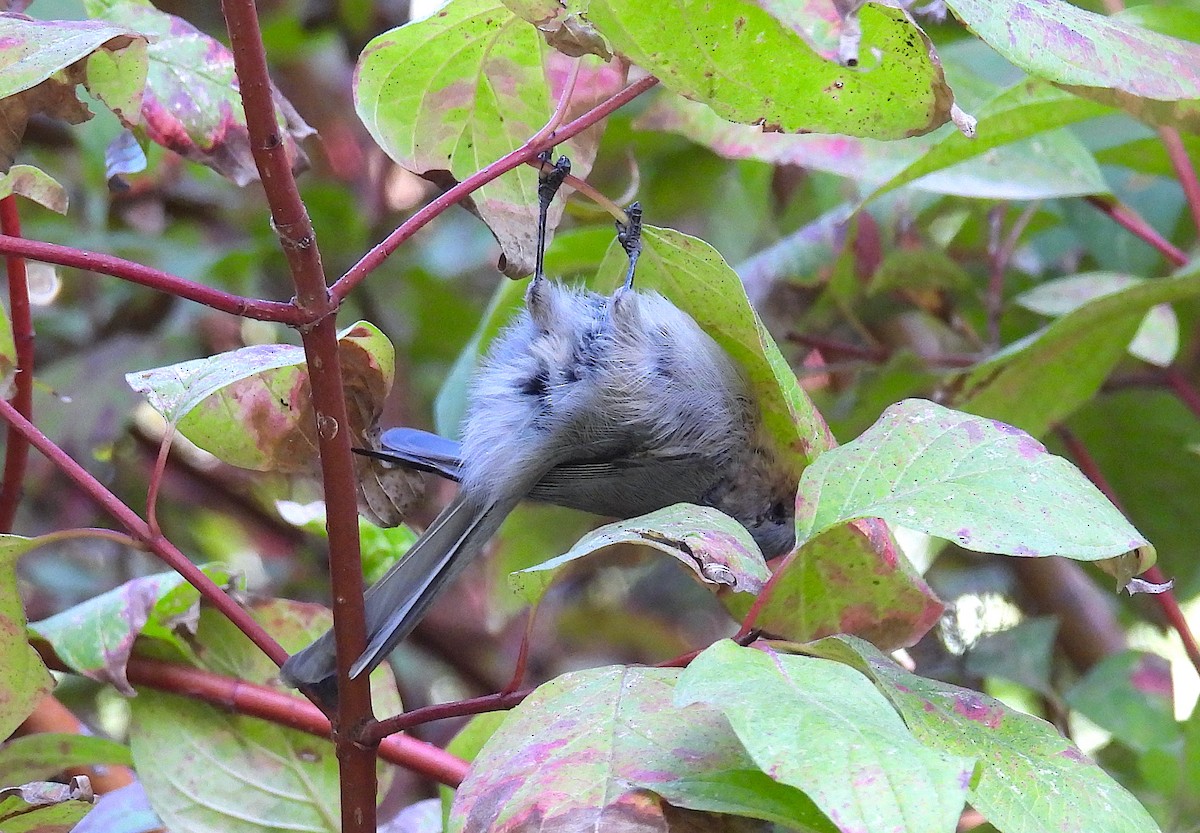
x,y
869,311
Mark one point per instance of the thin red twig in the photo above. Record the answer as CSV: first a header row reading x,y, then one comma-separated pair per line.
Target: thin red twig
x,y
1166,600
372,260
140,531
1185,171
156,478
560,110
1131,221
373,732
1001,251
294,227
275,706
16,449
127,270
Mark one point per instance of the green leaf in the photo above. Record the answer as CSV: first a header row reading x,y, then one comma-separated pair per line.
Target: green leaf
x,y
582,749
755,69
253,407
1153,76
1015,154
850,579
43,807
206,768
41,756
1145,441
191,104
983,484
1130,694
1032,779
26,680
1157,339
713,545
436,116
96,638
36,185
821,727
1040,380
1030,108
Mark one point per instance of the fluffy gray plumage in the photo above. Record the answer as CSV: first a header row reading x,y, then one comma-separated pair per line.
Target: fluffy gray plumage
x,y
618,405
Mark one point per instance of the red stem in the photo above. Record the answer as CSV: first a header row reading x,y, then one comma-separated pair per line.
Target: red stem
x,y
275,706
291,221
526,153
284,313
1166,600
140,531
16,447
1129,220
1185,171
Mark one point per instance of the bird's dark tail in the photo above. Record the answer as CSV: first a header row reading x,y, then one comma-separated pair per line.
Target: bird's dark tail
x,y
397,601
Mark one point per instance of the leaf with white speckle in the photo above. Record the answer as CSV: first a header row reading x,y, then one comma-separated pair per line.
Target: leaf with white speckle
x,y
981,483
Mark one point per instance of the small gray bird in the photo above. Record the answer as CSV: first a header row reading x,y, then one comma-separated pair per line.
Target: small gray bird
x,y
618,405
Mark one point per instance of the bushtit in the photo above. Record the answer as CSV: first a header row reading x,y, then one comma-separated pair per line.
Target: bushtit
x,y
618,405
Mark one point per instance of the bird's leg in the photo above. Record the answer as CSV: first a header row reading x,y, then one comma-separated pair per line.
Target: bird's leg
x,y
548,184
629,235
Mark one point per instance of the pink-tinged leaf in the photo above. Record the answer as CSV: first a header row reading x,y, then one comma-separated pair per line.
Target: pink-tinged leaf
x,y
253,407
565,29
191,103
983,484
1020,756
205,768
851,579
26,680
711,544
582,751
713,52
96,638
45,806
823,728
447,119
1155,77
823,24
1131,695
42,63
34,184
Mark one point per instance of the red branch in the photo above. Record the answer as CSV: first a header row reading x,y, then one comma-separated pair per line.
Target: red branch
x,y
140,531
127,270
16,454
1166,600
278,707
374,258
291,221
1131,221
